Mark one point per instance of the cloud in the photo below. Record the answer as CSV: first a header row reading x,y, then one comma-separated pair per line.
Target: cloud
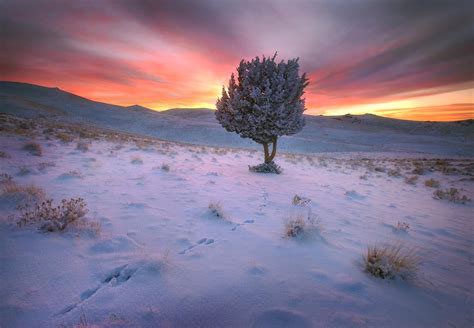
x,y
353,51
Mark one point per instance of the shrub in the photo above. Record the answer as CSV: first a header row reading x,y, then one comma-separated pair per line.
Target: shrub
x,y
44,165
72,174
411,180
301,224
82,146
301,201
452,195
64,137
394,173
23,170
5,178
270,167
33,148
390,262
53,218
432,183
402,226
11,188
216,209
165,167
136,160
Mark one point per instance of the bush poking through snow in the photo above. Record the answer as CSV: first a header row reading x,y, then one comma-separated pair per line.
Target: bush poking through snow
x,y
11,188
391,262
402,226
452,195
64,137
82,146
165,167
270,167
136,160
411,180
301,224
432,183
53,218
33,148
216,209
300,201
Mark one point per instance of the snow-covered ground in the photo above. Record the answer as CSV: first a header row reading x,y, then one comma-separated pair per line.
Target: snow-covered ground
x,y
332,134
163,259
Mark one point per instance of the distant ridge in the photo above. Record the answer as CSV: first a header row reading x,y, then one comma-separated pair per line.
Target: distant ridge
x,y
346,133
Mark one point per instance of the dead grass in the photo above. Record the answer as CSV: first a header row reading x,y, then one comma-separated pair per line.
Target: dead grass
x,y
432,183
402,227
11,188
299,224
391,262
411,180
64,137
300,200
33,148
82,146
51,218
216,210
136,160
165,167
452,194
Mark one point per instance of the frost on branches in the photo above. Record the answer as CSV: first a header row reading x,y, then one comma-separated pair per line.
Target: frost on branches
x,y
265,102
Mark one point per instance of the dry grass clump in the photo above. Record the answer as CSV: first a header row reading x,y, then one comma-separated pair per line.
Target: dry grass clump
x,y
452,195
4,155
216,209
23,170
136,160
64,137
411,180
402,226
391,262
165,167
33,148
11,188
300,201
301,224
44,165
432,183
82,146
54,218
72,174
394,173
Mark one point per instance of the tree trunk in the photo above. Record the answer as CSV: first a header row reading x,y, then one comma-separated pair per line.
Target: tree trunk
x,y
265,150
274,149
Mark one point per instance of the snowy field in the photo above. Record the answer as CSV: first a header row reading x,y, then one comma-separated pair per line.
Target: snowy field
x,y
162,258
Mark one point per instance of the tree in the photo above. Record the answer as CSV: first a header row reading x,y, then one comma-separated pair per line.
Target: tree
x,y
265,103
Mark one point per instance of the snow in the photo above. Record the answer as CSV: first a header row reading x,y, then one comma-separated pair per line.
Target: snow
x,y
163,259
351,133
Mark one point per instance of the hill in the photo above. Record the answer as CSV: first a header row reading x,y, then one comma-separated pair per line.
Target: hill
x,y
348,133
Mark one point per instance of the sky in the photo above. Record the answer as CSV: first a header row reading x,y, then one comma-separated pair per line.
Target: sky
x,y
404,59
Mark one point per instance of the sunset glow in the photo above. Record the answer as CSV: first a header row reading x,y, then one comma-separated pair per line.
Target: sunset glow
x,y
400,60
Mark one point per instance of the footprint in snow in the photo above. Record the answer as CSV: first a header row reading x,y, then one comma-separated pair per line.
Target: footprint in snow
x,y
239,224
114,278
202,241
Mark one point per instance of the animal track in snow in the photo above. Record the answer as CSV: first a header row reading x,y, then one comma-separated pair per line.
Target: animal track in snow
x,y
202,241
239,224
114,278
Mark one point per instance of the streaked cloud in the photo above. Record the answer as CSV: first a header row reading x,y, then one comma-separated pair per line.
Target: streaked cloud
x,y
179,53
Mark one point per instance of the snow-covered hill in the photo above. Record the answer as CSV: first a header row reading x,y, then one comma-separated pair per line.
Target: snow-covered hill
x,y
364,133
163,258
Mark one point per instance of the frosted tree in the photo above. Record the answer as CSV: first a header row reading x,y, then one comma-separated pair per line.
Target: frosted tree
x,y
264,103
